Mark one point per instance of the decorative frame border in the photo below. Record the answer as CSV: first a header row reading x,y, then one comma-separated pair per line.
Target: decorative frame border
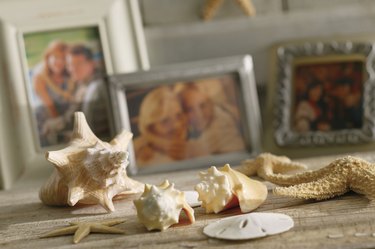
x,y
333,50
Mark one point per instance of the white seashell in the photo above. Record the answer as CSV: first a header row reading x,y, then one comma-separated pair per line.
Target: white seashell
x,y
225,188
214,191
249,226
159,207
89,171
192,198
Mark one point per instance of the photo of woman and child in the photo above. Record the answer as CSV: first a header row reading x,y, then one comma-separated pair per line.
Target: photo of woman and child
x,y
66,69
328,96
185,120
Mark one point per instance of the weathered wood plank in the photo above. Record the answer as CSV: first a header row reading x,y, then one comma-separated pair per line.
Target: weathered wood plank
x,y
23,219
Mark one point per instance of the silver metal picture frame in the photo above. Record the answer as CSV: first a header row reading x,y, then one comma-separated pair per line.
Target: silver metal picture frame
x,y
188,115
324,93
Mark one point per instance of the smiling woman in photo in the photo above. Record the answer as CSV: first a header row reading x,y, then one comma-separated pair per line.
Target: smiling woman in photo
x,y
66,68
54,88
52,83
163,128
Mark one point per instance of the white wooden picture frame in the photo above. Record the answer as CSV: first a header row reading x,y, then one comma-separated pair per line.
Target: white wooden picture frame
x,y
123,49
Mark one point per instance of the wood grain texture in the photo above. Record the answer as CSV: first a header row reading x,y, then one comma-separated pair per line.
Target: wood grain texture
x,y
349,220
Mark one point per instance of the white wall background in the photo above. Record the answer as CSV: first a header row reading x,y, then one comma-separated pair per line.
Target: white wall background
x,y
175,32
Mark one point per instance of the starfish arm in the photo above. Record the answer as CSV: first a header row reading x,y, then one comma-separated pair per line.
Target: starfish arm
x,y
286,167
363,181
113,222
98,228
82,231
304,177
249,167
288,180
247,6
268,164
210,8
105,223
324,188
62,231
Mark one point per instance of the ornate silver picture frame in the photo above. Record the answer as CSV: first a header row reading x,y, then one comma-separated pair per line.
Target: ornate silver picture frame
x,y
189,115
324,93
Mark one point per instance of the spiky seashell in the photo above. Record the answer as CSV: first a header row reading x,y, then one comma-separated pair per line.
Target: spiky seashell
x,y
89,171
225,188
159,207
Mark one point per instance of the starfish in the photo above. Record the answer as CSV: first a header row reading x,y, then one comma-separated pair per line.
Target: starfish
x,y
340,176
82,229
268,166
212,5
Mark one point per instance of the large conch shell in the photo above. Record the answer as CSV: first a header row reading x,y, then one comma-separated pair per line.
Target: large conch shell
x,y
159,207
225,188
89,171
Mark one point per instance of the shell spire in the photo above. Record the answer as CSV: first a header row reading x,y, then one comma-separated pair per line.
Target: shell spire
x,y
89,171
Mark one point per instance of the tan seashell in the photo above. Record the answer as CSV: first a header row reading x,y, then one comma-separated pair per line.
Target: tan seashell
x,y
225,188
159,207
89,171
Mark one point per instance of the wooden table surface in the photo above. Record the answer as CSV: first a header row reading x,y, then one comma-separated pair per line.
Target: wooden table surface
x,y
344,222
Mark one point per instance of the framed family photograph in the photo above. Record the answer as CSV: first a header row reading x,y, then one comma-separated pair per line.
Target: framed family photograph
x,y
56,62
325,94
189,115
66,70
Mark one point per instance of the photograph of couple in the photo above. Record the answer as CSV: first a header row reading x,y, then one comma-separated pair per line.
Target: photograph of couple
x,y
185,120
66,70
328,96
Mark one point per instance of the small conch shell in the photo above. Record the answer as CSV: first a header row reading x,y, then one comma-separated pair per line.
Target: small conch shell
x,y
89,171
225,188
159,207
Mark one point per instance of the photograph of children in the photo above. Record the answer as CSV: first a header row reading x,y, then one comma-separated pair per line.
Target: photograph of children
x,y
185,120
328,96
66,70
